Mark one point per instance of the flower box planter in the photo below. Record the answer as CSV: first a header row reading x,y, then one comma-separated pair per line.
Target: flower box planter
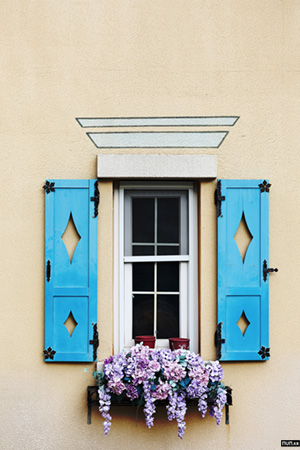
x,y
93,400
148,377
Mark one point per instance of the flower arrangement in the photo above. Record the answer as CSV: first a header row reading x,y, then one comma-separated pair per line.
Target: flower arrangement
x,y
145,376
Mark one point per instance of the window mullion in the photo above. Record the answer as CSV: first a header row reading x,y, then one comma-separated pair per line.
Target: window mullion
x,y
155,226
155,300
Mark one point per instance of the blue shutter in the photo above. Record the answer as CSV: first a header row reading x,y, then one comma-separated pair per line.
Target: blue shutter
x,y
242,291
70,283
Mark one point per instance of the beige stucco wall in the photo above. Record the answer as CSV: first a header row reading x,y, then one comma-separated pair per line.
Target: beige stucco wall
x,y
92,58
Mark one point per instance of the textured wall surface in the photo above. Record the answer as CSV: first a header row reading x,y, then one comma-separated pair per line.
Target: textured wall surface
x,y
97,58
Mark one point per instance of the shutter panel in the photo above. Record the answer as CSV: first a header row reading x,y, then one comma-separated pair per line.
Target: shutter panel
x,y
243,303
71,270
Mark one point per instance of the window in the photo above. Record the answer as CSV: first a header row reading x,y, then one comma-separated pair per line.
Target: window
x,y
155,270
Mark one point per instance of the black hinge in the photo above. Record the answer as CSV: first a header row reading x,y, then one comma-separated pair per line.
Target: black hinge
x,y
49,187
95,341
96,199
218,340
49,353
264,186
267,270
219,198
48,270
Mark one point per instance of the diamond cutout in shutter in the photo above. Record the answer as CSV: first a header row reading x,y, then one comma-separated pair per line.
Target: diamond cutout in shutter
x,y
71,237
70,324
243,323
243,237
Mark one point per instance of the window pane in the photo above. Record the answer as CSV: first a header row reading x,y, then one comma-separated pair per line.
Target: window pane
x,y
167,316
143,277
168,276
168,249
143,219
143,315
168,220
143,250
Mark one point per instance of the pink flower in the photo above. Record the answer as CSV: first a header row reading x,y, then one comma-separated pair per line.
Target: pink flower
x,y
162,390
154,365
139,375
197,373
174,372
116,387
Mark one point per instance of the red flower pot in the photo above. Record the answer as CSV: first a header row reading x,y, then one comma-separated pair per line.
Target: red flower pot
x,y
146,340
177,343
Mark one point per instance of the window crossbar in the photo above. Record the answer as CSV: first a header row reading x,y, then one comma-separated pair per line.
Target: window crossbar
x,y
154,258
155,292
153,243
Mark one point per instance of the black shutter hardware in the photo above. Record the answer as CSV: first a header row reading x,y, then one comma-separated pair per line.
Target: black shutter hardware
x,y
228,403
218,340
48,270
219,198
267,270
264,186
264,352
49,187
49,353
95,341
96,199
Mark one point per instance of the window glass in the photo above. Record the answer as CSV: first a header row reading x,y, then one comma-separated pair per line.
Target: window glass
x,y
156,223
142,220
167,316
168,250
142,250
168,220
143,315
143,277
168,276
156,258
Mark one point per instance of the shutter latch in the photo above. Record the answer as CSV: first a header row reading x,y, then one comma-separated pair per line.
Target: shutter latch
x,y
95,341
96,199
218,340
267,270
219,198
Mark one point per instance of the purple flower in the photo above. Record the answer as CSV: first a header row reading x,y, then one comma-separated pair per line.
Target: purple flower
x,y
149,408
215,370
216,409
162,390
176,410
104,406
174,372
200,374
131,392
116,387
202,405
154,366
159,374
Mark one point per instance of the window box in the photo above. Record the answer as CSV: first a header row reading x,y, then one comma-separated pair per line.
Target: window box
x,y
146,377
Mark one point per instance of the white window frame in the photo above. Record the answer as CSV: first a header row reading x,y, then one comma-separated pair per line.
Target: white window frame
x,y
189,322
